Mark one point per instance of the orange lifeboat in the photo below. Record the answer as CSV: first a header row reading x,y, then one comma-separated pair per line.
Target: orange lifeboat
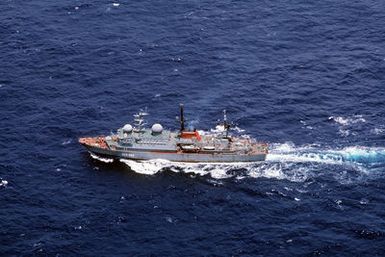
x,y
191,135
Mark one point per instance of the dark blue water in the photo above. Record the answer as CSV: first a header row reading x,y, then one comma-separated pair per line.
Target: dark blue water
x,y
306,76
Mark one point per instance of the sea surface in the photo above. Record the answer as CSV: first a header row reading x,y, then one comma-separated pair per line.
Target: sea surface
x,y
308,77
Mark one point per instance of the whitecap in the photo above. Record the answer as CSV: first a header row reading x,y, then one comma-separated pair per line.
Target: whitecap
x,y
345,121
306,125
344,132
377,131
364,201
339,120
66,142
3,183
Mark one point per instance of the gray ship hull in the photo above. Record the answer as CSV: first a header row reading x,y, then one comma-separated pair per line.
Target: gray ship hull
x,y
141,155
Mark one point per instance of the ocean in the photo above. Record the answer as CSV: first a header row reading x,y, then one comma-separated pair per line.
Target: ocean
x,y
305,76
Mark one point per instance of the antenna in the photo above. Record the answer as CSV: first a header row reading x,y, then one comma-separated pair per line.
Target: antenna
x,y
139,120
181,118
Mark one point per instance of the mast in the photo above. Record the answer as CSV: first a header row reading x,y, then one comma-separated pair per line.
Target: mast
x,y
225,124
181,118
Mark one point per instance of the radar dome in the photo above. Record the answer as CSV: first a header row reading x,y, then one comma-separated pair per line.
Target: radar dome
x,y
127,128
156,128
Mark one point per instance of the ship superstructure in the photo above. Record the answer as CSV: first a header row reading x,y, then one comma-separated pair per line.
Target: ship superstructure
x,y
140,143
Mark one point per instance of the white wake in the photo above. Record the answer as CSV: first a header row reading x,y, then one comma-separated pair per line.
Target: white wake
x,y
285,161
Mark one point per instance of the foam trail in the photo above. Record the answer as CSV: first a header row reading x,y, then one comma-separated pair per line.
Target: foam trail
x,y
288,152
151,167
106,160
354,154
223,170
361,154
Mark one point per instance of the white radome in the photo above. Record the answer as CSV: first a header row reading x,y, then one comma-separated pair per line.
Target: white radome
x,y
156,128
127,128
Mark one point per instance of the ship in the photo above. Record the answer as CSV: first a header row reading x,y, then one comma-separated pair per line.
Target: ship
x,y
184,145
